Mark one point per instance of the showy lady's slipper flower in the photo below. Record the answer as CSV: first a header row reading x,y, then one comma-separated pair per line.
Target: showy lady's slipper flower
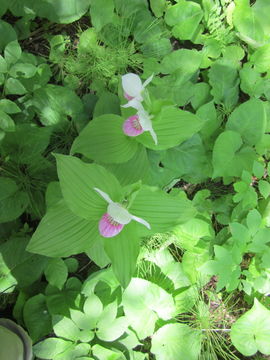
x,y
137,124
116,217
133,89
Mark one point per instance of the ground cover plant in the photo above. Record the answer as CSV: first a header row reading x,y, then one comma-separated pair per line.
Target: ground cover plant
x,y
134,179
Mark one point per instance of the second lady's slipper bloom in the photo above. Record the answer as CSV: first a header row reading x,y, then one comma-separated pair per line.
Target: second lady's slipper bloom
x,y
137,124
133,89
116,217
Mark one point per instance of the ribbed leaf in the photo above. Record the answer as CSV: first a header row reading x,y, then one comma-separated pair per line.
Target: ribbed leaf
x,y
172,126
103,140
77,180
61,233
161,210
123,251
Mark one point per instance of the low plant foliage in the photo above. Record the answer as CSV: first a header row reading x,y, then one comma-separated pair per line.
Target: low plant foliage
x,y
134,177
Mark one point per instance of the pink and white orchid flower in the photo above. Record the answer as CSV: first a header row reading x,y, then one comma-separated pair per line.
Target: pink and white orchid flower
x,y
137,124
116,217
133,89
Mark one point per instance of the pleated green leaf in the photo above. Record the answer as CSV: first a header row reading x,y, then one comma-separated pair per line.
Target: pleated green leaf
x,y
61,233
123,251
172,126
137,168
77,180
103,140
161,210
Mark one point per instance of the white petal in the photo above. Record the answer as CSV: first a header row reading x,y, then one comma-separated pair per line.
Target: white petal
x,y
147,81
132,84
104,195
154,136
141,221
134,103
119,214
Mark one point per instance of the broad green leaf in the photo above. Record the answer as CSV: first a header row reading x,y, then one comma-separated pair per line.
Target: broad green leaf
x,y
12,52
135,169
13,206
264,188
72,264
75,352
191,232
171,128
102,13
185,62
6,122
62,11
229,157
82,320
189,160
211,122
27,143
103,140
258,169
3,66
60,302
101,353
224,80
112,330
252,82
65,328
56,272
19,266
185,18
53,194
61,233
144,303
54,103
97,254
77,181
176,341
22,70
49,348
242,121
254,221
261,58
9,106
36,317
161,210
158,7
261,10
93,306
108,103
8,34
201,95
123,251
251,332
14,87
3,7
8,187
